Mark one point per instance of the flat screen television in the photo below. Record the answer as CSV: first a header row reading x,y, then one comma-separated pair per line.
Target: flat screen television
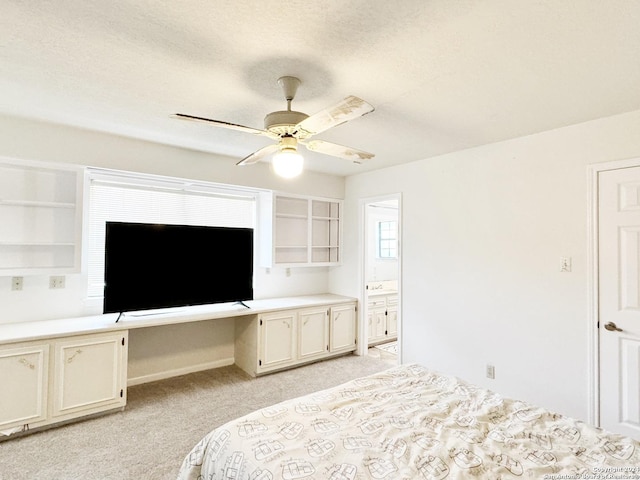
x,y
152,266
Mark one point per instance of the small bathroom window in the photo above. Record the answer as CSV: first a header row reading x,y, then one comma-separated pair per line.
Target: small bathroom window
x,y
387,239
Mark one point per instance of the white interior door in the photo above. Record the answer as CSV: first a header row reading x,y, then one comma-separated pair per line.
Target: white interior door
x,y
619,302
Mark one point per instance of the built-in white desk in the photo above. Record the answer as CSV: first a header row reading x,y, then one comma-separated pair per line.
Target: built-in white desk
x,y
55,371
27,331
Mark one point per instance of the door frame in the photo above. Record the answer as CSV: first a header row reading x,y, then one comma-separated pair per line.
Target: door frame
x,y
593,316
363,333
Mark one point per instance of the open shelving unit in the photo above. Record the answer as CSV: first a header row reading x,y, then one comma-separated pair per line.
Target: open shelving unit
x,y
305,231
325,231
291,237
40,218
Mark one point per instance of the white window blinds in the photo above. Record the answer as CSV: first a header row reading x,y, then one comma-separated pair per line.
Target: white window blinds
x,y
147,199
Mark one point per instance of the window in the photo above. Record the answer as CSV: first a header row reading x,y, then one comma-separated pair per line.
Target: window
x,y
387,239
117,196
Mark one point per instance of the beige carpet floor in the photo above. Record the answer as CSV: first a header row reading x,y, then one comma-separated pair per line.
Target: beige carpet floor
x,y
164,420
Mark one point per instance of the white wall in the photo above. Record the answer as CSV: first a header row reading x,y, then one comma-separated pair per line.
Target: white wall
x,y
25,139
483,233
33,140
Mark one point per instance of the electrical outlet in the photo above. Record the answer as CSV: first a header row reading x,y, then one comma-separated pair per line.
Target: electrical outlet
x,y
16,283
491,371
56,281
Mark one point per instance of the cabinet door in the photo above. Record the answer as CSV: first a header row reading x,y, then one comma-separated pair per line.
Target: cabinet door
x,y
379,323
277,333
370,331
376,318
90,373
313,333
392,322
392,316
343,328
23,380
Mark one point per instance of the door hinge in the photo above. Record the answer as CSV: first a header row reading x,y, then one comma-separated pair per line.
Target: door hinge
x,y
121,393
260,363
123,341
261,322
327,348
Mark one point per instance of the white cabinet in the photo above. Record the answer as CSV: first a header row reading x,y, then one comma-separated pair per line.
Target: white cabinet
x,y
313,333
277,339
40,218
300,231
392,316
89,373
343,328
286,338
382,318
24,380
50,381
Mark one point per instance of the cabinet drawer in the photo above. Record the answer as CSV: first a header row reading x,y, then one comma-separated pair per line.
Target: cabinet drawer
x,y
377,303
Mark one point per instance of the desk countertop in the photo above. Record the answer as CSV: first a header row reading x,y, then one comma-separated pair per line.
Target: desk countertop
x,y
28,331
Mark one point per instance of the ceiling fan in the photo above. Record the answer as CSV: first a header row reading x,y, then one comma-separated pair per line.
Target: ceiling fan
x,y
291,128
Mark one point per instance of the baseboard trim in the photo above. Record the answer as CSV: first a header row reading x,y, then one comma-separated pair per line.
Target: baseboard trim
x,y
153,377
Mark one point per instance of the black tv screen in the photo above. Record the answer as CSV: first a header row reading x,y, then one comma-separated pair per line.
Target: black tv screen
x,y
151,266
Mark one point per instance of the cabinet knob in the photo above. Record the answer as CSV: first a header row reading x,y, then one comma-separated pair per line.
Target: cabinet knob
x,y
75,354
27,363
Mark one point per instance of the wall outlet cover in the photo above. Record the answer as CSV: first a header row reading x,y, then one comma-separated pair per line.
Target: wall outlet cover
x,y
56,281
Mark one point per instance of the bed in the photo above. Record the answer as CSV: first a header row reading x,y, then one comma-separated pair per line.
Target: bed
x,y
408,423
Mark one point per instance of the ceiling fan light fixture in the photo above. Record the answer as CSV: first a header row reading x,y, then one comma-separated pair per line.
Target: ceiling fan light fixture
x,y
288,163
289,126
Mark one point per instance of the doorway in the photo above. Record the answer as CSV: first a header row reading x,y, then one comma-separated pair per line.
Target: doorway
x,y
381,289
615,306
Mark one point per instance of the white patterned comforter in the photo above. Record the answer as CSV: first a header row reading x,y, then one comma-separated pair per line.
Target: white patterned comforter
x,y
408,423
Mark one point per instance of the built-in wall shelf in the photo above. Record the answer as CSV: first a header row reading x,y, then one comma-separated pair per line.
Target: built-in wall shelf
x,y
302,231
40,217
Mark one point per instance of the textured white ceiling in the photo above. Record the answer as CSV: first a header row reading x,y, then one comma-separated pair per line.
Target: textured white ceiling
x,y
443,75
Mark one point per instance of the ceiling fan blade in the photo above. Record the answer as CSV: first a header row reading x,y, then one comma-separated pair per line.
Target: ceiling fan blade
x,y
349,108
348,153
220,123
256,156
